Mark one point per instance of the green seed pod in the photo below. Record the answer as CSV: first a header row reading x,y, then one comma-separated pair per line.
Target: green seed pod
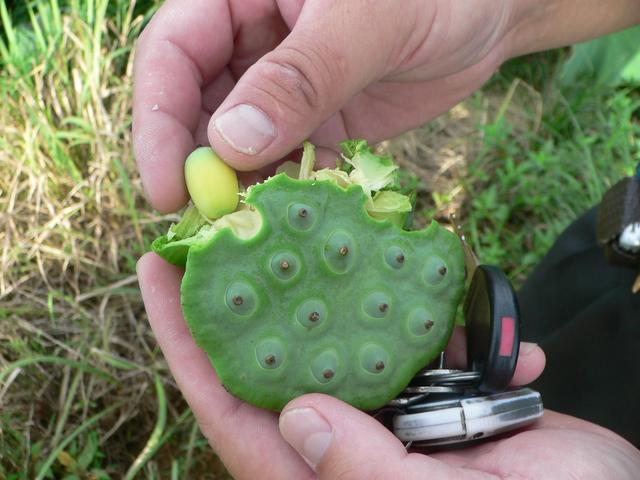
x,y
323,298
212,184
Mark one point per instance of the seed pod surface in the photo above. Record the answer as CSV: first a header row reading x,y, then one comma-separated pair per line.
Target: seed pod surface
x,y
323,299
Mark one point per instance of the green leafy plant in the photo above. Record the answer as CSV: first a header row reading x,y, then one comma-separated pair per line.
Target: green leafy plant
x,y
612,60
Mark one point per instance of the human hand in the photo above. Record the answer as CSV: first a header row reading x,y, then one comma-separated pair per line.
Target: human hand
x,y
326,70
339,441
276,72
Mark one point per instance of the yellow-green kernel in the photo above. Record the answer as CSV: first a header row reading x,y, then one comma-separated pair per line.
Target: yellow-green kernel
x,y
212,184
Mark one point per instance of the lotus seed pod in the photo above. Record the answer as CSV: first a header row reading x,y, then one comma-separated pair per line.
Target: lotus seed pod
x,y
212,184
324,298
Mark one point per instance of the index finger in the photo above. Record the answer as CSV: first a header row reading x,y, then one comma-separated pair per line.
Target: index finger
x,y
185,47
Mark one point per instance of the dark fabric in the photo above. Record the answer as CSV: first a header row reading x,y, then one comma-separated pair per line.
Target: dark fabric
x,y
583,314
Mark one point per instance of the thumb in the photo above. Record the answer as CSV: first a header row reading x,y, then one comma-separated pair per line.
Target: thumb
x,y
292,90
339,441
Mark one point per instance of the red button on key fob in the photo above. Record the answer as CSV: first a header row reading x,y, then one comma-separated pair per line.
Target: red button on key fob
x,y
492,322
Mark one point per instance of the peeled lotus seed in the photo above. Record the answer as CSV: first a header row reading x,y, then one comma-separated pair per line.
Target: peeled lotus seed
x,y
212,184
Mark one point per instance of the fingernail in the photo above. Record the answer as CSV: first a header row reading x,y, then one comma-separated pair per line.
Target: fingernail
x,y
308,432
527,348
245,128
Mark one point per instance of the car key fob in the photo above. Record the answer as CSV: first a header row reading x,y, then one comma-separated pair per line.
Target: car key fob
x,y
492,322
463,419
442,406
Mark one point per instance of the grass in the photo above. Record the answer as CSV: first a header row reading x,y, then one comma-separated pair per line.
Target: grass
x,y
84,390
518,161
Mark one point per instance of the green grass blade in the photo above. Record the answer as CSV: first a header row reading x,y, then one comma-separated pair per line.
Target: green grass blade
x,y
56,16
193,435
154,441
7,24
175,470
90,11
66,409
115,361
6,49
129,195
25,362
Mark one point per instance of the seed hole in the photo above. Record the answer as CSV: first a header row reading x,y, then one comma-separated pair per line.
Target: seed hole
x,y
312,313
271,353
377,304
394,257
420,322
325,365
301,216
340,251
285,265
435,271
374,358
241,298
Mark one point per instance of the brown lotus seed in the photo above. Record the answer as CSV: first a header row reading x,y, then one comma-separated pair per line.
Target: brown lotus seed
x,y
314,316
270,359
400,258
284,265
302,212
428,324
383,307
343,250
380,366
328,373
238,300
442,271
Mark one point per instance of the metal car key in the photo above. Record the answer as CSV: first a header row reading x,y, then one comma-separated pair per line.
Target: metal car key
x,y
468,418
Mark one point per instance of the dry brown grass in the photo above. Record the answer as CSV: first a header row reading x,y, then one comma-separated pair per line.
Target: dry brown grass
x,y
73,222
438,154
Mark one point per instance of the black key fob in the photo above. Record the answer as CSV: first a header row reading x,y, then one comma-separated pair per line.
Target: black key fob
x,y
492,320
618,226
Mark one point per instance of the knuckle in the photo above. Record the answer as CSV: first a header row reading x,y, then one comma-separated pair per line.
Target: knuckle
x,y
290,86
302,77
